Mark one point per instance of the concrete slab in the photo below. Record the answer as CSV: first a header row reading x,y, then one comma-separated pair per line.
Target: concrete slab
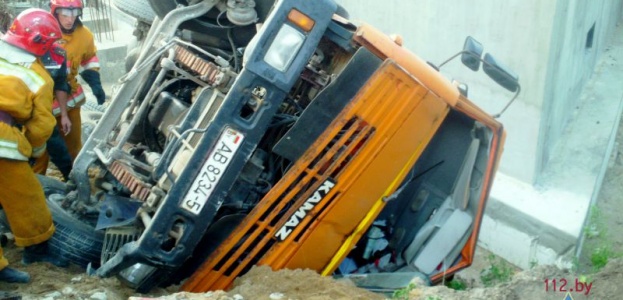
x,y
543,223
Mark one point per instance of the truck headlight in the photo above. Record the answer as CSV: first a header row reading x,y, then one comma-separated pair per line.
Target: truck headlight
x,y
284,48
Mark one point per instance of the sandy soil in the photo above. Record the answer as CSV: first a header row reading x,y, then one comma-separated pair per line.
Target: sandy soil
x,y
261,283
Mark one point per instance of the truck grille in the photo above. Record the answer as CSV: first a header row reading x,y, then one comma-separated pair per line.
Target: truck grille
x,y
115,238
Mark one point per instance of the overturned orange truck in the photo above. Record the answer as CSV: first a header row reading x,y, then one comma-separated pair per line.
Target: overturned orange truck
x,y
309,142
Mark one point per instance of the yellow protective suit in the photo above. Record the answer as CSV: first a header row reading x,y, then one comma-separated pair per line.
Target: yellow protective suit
x,y
41,164
24,204
81,55
25,95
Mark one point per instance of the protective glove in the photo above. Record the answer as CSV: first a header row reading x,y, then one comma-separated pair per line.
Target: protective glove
x,y
92,78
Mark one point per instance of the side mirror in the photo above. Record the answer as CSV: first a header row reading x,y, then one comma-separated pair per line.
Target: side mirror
x,y
500,74
471,54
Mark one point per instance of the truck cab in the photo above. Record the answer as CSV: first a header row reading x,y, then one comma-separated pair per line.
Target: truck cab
x,y
316,143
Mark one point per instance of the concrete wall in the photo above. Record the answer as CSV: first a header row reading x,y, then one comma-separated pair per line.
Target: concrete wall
x,y
580,32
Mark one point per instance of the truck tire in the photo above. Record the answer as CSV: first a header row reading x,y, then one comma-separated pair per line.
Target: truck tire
x,y
75,240
139,9
89,121
207,25
87,129
91,105
342,12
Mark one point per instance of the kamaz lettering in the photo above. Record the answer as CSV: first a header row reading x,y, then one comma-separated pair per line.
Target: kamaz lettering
x,y
309,204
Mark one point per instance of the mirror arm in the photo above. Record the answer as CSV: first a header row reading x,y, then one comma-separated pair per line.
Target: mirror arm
x,y
509,103
514,97
453,57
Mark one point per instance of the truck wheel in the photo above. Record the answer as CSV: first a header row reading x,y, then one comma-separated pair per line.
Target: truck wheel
x,y
89,121
207,24
342,12
139,9
91,105
87,129
76,240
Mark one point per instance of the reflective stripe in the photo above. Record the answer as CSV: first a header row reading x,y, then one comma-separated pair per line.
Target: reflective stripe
x,y
91,65
49,67
94,62
33,81
26,65
72,102
14,54
38,151
9,150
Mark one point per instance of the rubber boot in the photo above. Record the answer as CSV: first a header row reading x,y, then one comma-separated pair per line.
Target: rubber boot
x,y
14,276
41,253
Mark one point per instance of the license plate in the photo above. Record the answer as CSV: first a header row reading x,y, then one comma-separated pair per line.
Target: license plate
x,y
212,171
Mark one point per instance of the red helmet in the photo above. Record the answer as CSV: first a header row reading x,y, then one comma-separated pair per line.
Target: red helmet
x,y
73,7
33,30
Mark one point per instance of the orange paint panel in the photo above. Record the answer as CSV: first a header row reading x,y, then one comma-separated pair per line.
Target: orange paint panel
x,y
366,152
383,46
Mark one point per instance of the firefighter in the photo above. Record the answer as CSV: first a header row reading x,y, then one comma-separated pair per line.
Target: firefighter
x,y
56,64
82,58
26,123
56,150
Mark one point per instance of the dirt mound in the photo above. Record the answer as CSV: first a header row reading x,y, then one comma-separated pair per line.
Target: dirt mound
x,y
260,283
607,281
